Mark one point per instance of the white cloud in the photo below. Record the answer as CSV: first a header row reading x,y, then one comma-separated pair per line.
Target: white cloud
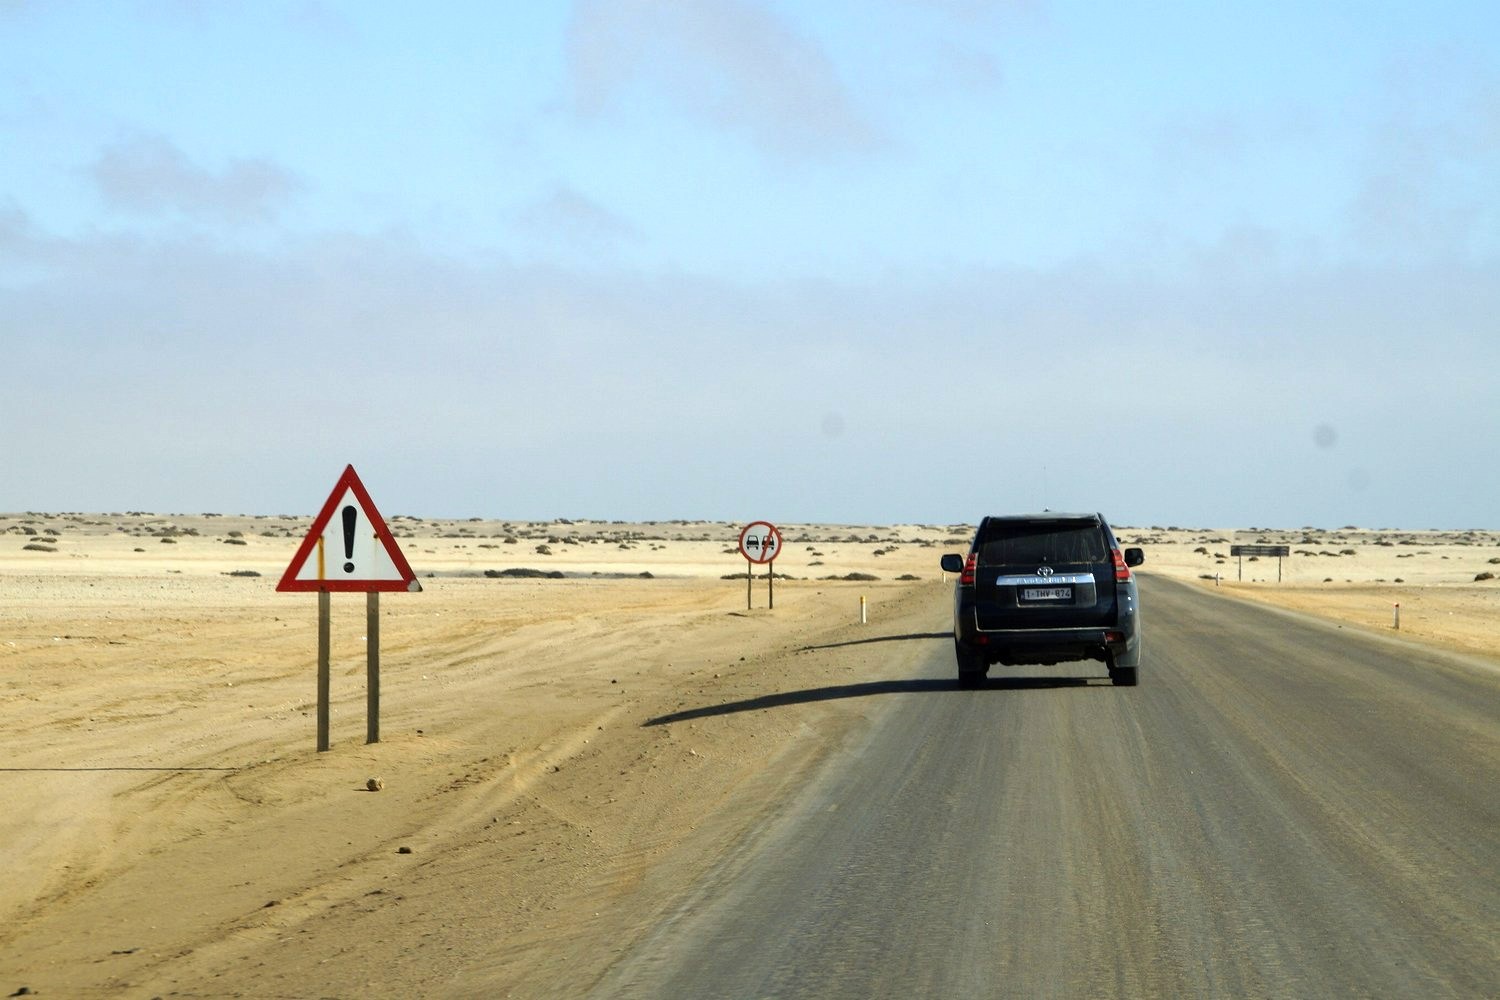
x,y
729,63
986,11
569,221
149,174
169,374
1426,188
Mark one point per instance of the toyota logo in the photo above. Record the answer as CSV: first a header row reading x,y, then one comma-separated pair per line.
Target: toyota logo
x,y
1044,571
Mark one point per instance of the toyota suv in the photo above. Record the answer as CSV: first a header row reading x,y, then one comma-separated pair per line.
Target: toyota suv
x,y
1045,588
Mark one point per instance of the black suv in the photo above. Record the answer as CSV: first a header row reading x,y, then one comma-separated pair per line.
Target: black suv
x,y
1046,588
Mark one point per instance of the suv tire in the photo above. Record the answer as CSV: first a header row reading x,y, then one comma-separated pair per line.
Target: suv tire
x,y
971,668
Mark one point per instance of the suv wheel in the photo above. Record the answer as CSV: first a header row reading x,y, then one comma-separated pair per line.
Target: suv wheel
x,y
1122,676
971,667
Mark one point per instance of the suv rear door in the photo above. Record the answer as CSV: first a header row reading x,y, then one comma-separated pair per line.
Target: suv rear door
x,y
1044,572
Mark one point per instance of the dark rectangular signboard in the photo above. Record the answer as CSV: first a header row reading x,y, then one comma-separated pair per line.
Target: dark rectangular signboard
x,y
1260,550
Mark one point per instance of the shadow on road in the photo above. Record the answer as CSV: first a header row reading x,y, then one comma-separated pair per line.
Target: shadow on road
x,y
880,638
86,769
914,686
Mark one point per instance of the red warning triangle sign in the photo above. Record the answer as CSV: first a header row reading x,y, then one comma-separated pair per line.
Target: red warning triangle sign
x,y
349,547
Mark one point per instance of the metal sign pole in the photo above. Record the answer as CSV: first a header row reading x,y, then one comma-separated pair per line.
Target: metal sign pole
x,y
323,643
372,667
771,584
749,583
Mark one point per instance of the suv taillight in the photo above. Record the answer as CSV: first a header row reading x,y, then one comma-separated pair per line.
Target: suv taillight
x,y
966,578
1122,572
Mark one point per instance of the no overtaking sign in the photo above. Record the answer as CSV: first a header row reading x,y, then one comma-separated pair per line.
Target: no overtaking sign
x,y
760,542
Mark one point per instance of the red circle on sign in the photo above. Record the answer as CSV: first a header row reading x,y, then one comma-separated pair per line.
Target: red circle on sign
x,y
760,542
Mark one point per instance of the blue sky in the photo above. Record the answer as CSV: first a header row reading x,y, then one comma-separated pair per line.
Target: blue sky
x,y
880,261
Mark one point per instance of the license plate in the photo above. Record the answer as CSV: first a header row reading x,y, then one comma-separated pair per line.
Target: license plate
x,y
1047,594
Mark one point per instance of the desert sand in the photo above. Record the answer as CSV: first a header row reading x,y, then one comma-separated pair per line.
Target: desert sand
x,y
559,756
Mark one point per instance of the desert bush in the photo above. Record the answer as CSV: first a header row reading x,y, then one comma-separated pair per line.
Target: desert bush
x,y
1486,575
37,547
242,572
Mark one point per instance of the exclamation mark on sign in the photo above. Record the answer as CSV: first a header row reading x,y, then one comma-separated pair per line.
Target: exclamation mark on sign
x,y
349,516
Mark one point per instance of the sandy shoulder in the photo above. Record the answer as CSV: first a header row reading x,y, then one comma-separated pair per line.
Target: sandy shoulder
x,y
558,756
1446,584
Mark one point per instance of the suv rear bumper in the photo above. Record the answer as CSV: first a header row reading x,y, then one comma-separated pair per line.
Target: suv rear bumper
x,y
1118,645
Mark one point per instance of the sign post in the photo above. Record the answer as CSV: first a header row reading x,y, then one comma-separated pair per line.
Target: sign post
x,y
324,632
364,557
760,542
372,667
1279,551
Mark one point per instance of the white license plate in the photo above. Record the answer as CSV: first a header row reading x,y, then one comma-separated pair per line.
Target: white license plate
x,y
1047,594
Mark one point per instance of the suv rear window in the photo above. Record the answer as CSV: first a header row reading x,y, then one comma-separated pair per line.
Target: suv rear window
x,y
1011,543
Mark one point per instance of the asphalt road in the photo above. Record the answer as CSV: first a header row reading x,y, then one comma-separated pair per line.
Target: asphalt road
x,y
1282,808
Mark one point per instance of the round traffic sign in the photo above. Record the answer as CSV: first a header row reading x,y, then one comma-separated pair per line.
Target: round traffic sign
x,y
760,542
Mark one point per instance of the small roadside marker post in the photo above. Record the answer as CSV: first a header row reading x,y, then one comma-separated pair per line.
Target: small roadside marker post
x,y
1396,617
371,562
760,543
